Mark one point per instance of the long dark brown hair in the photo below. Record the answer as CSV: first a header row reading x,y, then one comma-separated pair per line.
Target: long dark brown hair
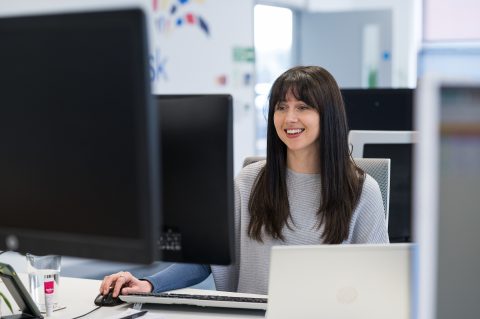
x,y
341,179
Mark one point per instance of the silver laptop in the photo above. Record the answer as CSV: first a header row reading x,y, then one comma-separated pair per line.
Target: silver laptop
x,y
340,281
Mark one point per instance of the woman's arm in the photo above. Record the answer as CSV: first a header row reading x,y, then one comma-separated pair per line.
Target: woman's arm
x,y
368,225
226,277
178,276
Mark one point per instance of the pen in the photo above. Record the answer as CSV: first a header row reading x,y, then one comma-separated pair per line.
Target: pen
x,y
135,315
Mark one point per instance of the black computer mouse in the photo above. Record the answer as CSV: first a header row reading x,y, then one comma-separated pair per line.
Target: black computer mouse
x,y
107,300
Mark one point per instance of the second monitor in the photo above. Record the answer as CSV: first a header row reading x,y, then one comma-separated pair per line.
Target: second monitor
x,y
387,110
197,175
379,109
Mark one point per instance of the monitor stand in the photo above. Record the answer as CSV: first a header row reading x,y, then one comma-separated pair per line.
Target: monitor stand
x,y
21,296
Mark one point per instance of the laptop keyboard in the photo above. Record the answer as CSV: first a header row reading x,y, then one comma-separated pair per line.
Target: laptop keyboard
x,y
204,297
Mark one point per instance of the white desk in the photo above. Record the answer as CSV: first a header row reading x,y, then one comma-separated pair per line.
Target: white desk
x,y
78,295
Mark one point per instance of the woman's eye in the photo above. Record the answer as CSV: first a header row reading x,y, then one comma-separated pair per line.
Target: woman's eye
x,y
304,107
280,107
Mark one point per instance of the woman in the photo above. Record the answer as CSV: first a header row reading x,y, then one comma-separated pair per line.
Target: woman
x,y
308,191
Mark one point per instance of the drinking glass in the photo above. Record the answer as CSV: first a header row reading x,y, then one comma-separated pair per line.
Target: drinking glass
x,y
38,268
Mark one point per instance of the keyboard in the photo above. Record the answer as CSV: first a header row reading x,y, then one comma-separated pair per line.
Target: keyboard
x,y
203,298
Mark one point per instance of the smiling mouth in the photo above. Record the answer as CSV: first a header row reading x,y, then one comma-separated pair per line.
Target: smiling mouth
x,y
294,131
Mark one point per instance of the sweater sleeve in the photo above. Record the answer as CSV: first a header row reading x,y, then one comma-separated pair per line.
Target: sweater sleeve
x,y
368,225
226,277
178,276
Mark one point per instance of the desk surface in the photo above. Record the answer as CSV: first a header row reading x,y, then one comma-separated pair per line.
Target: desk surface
x,y
78,295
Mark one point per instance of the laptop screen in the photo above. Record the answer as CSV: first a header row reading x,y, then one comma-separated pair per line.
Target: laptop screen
x,y
358,281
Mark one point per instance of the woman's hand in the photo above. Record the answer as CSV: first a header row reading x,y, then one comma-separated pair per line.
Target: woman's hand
x,y
125,283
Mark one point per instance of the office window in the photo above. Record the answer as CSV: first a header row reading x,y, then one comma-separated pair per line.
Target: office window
x,y
273,54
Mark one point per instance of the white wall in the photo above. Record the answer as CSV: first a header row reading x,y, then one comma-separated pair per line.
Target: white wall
x,y
334,40
23,7
188,59
406,20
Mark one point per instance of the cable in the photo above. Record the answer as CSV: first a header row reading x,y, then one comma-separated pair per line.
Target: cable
x,y
88,312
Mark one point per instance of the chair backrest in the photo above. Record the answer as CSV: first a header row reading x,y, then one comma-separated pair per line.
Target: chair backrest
x,y
378,168
358,139
252,159
398,146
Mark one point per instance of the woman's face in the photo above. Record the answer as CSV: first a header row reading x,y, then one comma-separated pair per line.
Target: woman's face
x,y
297,125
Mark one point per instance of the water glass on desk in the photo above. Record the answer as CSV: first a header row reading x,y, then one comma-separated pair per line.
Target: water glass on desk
x,y
39,268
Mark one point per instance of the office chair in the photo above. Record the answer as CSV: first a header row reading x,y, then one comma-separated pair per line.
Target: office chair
x,y
358,139
398,146
378,168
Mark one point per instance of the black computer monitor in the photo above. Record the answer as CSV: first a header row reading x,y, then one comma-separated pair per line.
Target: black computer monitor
x,y
196,134
387,110
78,162
379,109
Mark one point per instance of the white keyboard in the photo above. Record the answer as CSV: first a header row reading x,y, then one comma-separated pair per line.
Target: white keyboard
x,y
203,298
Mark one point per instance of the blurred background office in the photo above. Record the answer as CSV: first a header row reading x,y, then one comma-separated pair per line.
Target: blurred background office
x,y
239,47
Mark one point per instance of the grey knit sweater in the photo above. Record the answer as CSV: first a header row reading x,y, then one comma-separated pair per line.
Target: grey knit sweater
x,y
250,272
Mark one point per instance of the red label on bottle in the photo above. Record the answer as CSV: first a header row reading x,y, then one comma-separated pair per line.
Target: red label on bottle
x,y
48,285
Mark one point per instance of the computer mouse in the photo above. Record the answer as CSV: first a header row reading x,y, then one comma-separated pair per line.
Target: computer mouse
x,y
107,300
